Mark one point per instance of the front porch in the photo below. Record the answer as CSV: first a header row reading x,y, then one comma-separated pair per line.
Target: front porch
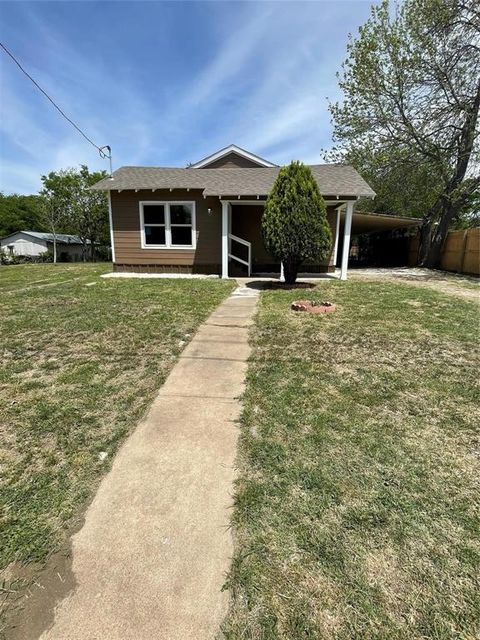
x,y
243,249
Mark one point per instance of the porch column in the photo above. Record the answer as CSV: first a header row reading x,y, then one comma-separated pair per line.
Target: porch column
x,y
225,225
337,234
346,240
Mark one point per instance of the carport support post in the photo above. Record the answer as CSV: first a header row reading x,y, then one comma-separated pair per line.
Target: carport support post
x,y
225,225
346,240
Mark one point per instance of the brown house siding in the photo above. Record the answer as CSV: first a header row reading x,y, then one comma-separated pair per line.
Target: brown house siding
x,y
206,258
129,254
231,161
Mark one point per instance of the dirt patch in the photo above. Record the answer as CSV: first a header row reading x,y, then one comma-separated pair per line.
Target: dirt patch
x,y
33,593
467,287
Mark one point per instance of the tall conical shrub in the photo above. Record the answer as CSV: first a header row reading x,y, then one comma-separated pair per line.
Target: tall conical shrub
x,y
294,222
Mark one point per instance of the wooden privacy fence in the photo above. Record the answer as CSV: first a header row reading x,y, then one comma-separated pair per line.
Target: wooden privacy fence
x,y
461,252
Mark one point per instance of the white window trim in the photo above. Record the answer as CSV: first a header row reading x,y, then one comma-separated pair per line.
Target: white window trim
x,y
168,234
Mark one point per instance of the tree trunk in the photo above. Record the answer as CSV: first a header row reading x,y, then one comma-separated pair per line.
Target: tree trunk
x,y
434,231
425,242
449,205
440,235
54,247
290,270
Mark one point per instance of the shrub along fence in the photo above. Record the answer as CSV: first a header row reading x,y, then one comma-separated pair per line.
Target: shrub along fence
x,y
461,252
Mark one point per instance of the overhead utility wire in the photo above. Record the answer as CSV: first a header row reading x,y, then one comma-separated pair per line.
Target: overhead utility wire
x,y
101,150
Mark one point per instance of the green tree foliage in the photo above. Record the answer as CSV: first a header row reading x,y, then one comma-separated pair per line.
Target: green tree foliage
x,y
294,222
409,116
471,215
89,211
402,187
69,203
20,213
57,199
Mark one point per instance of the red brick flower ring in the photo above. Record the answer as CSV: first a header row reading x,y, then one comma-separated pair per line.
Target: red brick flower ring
x,y
313,306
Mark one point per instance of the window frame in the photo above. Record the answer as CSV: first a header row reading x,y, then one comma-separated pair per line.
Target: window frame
x,y
167,225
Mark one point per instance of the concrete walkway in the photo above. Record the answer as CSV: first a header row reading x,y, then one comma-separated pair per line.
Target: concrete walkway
x,y
151,558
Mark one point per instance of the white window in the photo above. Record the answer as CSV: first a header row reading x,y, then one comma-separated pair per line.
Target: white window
x,y
167,225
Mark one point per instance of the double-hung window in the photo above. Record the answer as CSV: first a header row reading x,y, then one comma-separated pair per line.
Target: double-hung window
x,y
167,225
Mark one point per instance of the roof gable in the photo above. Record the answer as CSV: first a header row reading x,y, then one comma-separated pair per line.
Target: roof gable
x,y
231,156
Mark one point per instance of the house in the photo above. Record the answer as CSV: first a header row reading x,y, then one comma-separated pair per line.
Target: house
x,y
35,243
206,218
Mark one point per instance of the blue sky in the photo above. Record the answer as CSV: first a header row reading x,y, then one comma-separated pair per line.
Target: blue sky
x,y
166,83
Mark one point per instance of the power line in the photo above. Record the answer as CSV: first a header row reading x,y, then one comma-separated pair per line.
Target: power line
x,y
101,150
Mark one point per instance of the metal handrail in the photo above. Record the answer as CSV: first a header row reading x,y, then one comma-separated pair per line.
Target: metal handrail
x,y
249,247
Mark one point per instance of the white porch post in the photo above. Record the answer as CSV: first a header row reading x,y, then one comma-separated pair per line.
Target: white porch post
x,y
337,234
225,225
346,240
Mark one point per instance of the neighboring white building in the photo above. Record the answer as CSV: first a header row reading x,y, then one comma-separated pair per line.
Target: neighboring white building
x,y
34,243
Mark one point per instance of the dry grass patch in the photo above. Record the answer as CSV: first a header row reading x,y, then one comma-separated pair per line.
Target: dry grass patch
x,y
356,509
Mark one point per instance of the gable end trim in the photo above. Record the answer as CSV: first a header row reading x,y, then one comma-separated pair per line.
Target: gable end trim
x,y
232,149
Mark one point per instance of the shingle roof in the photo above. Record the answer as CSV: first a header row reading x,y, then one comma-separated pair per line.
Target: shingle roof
x,y
332,179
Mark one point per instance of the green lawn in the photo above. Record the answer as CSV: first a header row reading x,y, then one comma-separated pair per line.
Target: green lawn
x,y
81,359
357,502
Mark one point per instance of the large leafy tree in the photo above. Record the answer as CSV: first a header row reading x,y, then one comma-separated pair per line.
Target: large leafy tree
x,y
89,210
294,222
403,188
411,85
56,200
69,203
20,213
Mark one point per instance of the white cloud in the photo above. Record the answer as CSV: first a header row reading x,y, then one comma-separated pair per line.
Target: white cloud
x,y
21,178
269,69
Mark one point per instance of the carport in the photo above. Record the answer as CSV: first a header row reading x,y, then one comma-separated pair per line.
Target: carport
x,y
377,239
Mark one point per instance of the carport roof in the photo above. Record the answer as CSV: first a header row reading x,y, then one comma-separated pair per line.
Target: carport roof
x,y
365,222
